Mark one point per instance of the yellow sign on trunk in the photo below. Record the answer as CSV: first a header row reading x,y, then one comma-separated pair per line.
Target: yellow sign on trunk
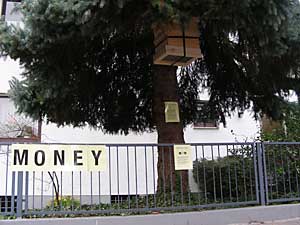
x,y
171,112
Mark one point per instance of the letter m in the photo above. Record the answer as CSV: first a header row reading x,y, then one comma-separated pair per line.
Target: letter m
x,y
19,160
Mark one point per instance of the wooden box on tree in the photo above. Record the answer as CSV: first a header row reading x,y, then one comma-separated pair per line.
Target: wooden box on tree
x,y
176,44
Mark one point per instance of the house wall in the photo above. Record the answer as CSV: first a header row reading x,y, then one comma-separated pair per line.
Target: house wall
x,y
15,127
6,109
236,130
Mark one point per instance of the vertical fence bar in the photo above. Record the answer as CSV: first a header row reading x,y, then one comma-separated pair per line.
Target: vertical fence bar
x,y
109,174
288,168
283,170
163,169
80,191
118,178
171,176
61,189
6,180
53,199
42,189
128,176
296,174
136,184
275,173
33,189
198,182
236,182
146,177
26,190
229,174
181,188
235,175
220,174
269,170
204,174
91,180
250,170
72,189
13,188
153,172
244,173
298,189
265,173
260,174
189,196
20,195
213,171
99,187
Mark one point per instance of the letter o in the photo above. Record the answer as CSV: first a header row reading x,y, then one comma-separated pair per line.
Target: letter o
x,y
36,158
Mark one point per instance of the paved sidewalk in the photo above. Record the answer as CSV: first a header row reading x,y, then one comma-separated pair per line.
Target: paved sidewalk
x,y
259,215
295,221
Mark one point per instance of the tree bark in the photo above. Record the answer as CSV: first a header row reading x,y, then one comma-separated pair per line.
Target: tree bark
x,y
166,89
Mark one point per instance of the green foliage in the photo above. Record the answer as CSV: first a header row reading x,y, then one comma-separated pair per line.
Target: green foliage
x,y
292,123
7,217
151,201
283,170
229,178
108,86
95,57
65,203
232,178
283,161
290,129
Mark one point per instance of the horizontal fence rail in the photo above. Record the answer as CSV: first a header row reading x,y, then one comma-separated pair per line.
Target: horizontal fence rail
x,y
140,178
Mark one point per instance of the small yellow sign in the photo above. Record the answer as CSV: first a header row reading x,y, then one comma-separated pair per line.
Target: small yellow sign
x,y
46,157
183,157
172,112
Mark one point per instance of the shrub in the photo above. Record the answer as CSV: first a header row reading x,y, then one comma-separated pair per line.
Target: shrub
x,y
65,202
230,178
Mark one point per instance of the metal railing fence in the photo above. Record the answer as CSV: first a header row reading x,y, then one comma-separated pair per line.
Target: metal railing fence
x,y
282,169
223,175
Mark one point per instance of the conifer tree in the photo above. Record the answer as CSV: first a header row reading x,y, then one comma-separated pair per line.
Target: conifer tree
x,y
91,62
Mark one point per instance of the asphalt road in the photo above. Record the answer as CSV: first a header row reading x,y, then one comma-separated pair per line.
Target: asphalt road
x,y
295,221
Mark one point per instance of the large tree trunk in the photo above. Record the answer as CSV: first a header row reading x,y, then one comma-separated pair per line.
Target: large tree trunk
x,y
166,89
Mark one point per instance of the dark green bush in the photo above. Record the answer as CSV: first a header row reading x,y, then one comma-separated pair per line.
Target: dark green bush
x,y
65,202
230,178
